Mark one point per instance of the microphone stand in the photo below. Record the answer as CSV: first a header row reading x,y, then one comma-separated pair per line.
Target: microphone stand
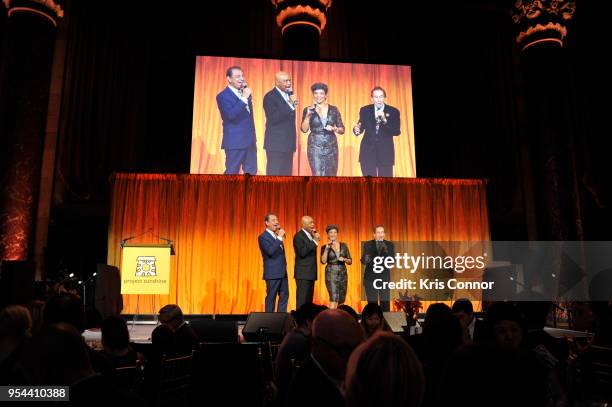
x,y
124,241
84,287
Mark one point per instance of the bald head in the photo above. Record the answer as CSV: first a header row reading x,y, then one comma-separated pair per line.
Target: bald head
x,y
335,334
338,328
307,223
283,80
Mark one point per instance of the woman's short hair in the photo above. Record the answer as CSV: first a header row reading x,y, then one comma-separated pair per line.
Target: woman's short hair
x,y
331,227
317,86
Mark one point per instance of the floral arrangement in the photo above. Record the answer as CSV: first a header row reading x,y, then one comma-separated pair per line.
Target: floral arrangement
x,y
410,305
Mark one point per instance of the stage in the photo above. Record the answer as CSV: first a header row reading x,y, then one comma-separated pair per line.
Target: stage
x,y
214,222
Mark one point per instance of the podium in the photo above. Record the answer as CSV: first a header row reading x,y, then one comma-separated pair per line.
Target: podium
x,y
145,268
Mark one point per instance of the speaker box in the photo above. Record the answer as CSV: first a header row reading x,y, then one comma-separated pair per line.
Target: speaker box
x,y
505,279
267,326
16,283
396,320
212,331
108,299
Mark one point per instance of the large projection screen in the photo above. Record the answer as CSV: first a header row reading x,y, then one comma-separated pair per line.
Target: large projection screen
x,y
349,90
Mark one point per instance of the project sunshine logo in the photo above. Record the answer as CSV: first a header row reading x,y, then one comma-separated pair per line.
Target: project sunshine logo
x,y
145,266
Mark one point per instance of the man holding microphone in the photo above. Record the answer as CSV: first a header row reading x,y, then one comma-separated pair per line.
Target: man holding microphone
x,y
275,264
235,104
380,122
305,243
279,142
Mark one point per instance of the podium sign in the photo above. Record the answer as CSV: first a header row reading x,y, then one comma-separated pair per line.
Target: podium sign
x,y
145,269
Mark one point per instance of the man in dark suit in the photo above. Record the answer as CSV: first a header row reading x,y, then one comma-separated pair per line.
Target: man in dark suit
x,y
474,329
380,122
279,105
319,381
236,107
305,243
275,264
371,249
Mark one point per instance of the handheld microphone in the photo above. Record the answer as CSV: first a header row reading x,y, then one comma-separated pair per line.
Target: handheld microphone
x,y
290,93
380,118
243,86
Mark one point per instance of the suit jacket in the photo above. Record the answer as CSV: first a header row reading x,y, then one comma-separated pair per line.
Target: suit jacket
x,y
369,252
311,387
185,340
305,257
274,261
238,123
280,123
379,146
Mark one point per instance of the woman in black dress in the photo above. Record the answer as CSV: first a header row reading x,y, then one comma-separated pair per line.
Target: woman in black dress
x,y
324,122
336,256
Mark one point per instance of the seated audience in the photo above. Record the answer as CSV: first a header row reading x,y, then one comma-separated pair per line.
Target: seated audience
x,y
506,325
473,329
350,310
442,335
548,349
185,338
483,375
508,329
373,320
66,308
384,371
58,356
116,343
320,380
15,332
295,347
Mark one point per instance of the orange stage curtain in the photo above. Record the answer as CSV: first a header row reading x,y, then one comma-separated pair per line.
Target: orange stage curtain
x,y
215,220
349,89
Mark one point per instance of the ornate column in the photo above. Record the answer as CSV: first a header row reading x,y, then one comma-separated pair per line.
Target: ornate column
x,y
301,23
542,28
542,22
27,54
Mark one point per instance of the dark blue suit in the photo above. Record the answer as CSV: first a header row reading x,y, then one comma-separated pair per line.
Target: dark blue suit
x,y
275,271
239,140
